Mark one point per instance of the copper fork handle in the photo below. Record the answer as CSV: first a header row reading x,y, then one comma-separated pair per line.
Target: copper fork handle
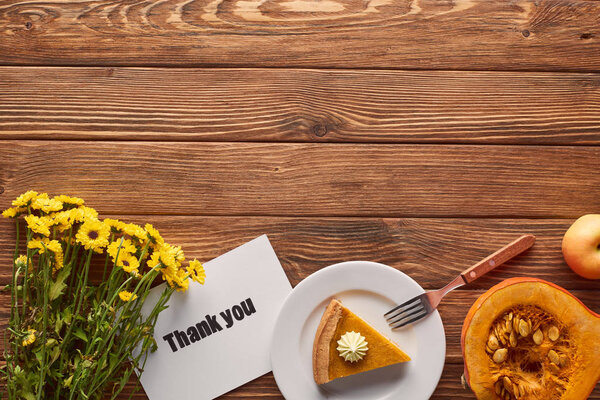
x,y
498,258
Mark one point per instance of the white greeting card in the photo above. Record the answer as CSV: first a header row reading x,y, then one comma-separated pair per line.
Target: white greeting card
x,y
216,337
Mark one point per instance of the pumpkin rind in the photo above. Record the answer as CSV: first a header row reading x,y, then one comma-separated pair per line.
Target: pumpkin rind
x,y
582,325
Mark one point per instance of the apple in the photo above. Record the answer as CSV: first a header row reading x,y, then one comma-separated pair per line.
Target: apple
x,y
581,246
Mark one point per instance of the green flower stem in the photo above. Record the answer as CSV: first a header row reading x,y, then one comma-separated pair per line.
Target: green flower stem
x,y
13,323
73,262
149,278
127,304
79,295
18,240
150,321
106,260
68,247
45,323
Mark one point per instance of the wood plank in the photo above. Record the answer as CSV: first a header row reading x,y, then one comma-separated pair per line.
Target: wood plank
x,y
309,179
449,387
453,310
423,34
431,251
299,105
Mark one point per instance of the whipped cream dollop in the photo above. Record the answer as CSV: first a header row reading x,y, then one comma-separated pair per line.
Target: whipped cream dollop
x,y
352,346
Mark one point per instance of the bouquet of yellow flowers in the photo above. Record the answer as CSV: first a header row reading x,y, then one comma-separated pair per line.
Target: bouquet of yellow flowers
x,y
69,337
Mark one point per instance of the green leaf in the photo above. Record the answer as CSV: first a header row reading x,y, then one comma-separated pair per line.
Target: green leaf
x,y
57,287
68,315
28,395
58,325
67,382
38,355
78,332
54,354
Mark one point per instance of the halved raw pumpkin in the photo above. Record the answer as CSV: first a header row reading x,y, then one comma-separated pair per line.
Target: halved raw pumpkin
x,y
526,338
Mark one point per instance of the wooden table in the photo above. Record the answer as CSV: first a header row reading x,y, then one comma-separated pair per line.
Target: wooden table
x,y
421,134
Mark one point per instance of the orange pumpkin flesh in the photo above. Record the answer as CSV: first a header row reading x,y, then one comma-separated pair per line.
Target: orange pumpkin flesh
x,y
554,352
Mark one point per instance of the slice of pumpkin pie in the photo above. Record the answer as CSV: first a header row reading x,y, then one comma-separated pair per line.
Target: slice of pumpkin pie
x,y
345,344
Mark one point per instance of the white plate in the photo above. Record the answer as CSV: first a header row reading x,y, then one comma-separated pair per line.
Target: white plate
x,y
368,289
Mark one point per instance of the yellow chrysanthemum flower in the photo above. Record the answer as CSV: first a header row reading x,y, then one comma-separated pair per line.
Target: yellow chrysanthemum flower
x,y
168,268
93,234
64,219
126,296
171,255
29,338
128,262
54,246
154,259
179,256
196,271
125,247
13,212
26,198
21,262
89,213
114,224
134,231
59,258
39,225
84,213
74,201
154,236
47,205
178,281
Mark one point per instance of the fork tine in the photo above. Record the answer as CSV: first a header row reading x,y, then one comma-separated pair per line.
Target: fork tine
x,y
418,317
403,305
404,310
407,314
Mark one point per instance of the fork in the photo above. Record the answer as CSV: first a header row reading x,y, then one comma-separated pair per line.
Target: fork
x,y
424,304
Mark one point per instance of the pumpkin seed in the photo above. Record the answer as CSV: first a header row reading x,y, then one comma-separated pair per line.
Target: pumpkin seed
x,y
554,368
563,360
493,342
516,390
538,337
522,390
553,333
512,340
502,340
516,321
524,328
553,356
507,384
498,387
500,356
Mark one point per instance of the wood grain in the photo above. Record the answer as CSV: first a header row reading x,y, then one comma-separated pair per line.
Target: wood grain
x,y
299,105
432,251
309,179
413,34
453,310
449,387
